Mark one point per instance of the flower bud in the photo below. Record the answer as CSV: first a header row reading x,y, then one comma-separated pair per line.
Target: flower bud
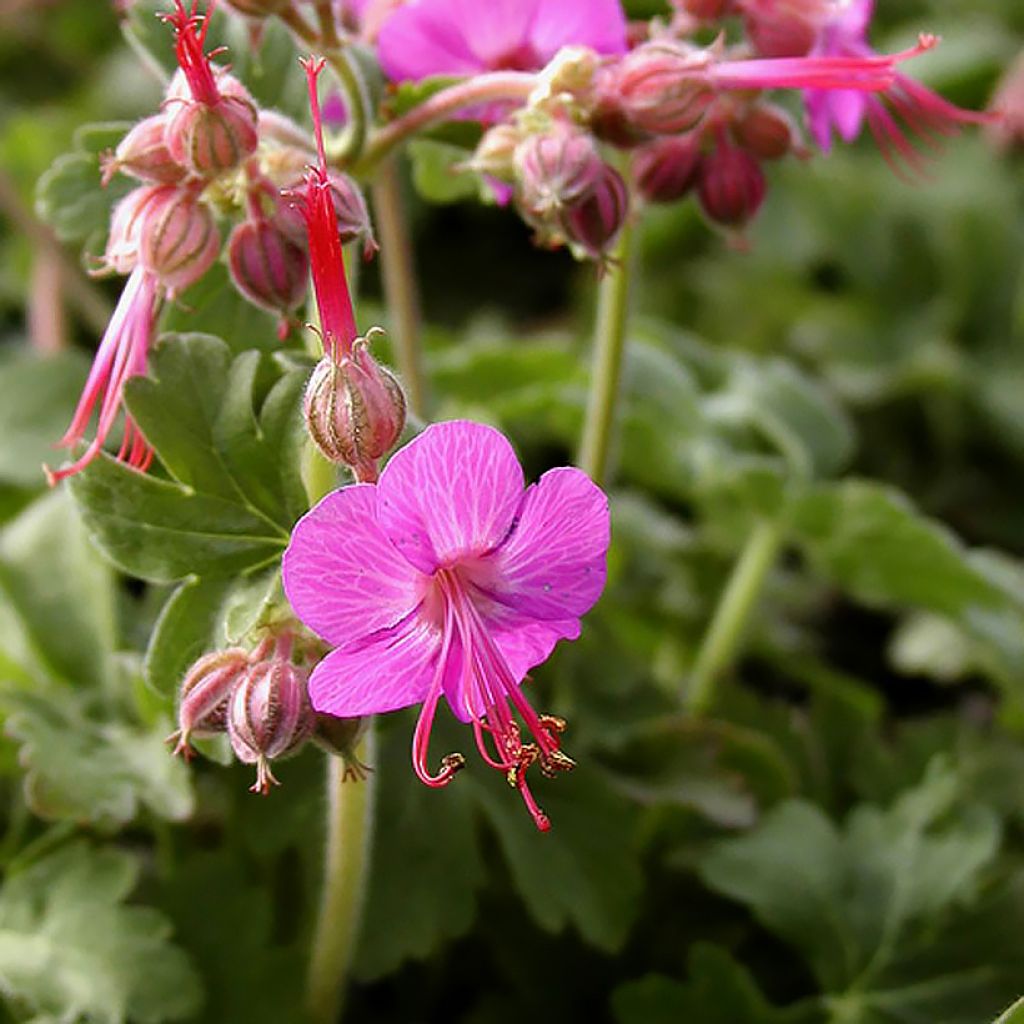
x,y
666,169
258,8
269,716
352,212
766,131
267,266
179,241
211,137
555,170
704,10
143,154
494,153
592,223
731,186
785,28
122,251
204,696
659,88
340,736
355,409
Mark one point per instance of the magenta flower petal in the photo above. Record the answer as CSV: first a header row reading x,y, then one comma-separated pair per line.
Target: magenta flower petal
x,y
450,494
553,564
599,24
423,39
389,671
342,575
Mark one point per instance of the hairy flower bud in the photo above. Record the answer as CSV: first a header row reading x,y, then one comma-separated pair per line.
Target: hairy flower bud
x,y
766,131
340,736
555,170
785,28
267,266
143,154
658,89
179,241
204,696
494,153
352,213
122,251
666,169
593,222
269,716
731,186
355,409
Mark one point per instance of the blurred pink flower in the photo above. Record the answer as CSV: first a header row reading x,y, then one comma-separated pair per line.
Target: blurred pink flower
x,y
907,106
447,577
463,37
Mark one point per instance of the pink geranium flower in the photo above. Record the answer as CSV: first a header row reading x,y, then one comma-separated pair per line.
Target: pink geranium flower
x,y
922,112
448,578
465,37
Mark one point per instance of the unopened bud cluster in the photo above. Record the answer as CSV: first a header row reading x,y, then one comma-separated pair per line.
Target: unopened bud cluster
x,y
259,699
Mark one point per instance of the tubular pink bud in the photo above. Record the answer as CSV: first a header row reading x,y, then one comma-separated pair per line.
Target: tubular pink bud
x,y
659,88
666,169
766,131
269,716
555,170
593,222
731,186
179,241
143,154
204,696
355,409
212,123
267,266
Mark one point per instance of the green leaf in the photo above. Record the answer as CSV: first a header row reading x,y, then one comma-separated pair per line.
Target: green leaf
x,y
436,174
719,991
60,589
585,871
853,901
37,397
410,914
71,948
82,769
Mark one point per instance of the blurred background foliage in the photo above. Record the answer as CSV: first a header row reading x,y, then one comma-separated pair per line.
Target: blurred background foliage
x,y
841,841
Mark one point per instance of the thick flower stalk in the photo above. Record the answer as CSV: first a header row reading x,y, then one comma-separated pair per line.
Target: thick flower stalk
x,y
447,578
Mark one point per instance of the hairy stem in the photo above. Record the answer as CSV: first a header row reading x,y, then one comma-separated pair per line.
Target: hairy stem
x,y
346,871
400,292
609,344
722,640
496,86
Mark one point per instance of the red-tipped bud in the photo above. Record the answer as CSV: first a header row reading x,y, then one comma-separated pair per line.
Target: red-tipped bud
x,y
785,28
766,131
555,170
269,716
666,170
731,186
204,696
494,153
355,409
658,89
352,213
179,241
340,736
122,251
143,154
258,8
593,223
267,266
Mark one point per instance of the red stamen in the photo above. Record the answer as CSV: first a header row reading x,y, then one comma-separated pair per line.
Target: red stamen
x,y
190,36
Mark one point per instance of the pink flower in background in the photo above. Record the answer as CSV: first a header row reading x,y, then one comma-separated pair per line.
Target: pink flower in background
x,y
122,354
448,578
464,37
922,112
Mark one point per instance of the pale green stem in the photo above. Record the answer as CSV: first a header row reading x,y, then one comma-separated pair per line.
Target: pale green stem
x,y
722,639
346,871
609,343
400,292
